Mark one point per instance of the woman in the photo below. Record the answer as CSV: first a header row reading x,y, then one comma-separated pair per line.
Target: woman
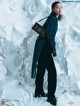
x,y
43,59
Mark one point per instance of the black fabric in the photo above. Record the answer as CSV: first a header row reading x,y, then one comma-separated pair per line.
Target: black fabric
x,y
45,61
50,25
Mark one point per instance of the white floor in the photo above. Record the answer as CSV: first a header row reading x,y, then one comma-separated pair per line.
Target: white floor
x,y
24,96
63,99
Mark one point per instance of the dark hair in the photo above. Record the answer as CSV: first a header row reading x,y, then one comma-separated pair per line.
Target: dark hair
x,y
52,12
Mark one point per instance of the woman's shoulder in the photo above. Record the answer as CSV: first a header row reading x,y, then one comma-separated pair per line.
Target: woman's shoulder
x,y
53,18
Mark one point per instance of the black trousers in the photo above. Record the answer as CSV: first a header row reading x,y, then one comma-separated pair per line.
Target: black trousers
x,y
46,62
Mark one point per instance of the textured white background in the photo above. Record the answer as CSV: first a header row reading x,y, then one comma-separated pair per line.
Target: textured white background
x,y
16,50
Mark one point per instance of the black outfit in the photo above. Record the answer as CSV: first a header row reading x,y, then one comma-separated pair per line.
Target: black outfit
x,y
43,51
46,62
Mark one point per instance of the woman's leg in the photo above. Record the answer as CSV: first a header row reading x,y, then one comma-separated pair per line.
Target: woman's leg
x,y
40,77
40,74
52,79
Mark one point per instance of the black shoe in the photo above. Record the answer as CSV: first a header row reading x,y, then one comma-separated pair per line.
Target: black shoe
x,y
40,94
53,100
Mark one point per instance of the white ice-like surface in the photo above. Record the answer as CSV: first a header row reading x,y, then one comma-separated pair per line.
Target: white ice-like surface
x,y
16,50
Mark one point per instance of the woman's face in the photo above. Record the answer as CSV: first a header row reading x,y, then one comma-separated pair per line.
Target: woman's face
x,y
58,9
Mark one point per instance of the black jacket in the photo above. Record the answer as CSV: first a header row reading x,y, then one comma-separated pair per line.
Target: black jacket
x,y
50,25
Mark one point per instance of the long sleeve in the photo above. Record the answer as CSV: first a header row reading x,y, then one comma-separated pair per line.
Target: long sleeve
x,y
51,32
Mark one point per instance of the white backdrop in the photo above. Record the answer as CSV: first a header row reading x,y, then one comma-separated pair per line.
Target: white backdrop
x,y
17,43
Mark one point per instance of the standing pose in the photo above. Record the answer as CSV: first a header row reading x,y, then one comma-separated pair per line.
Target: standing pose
x,y
43,59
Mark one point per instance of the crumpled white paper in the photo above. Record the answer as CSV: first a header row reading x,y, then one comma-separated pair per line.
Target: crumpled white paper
x,y
17,42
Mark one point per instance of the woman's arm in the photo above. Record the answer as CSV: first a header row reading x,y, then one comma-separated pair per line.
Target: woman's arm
x,y
51,32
